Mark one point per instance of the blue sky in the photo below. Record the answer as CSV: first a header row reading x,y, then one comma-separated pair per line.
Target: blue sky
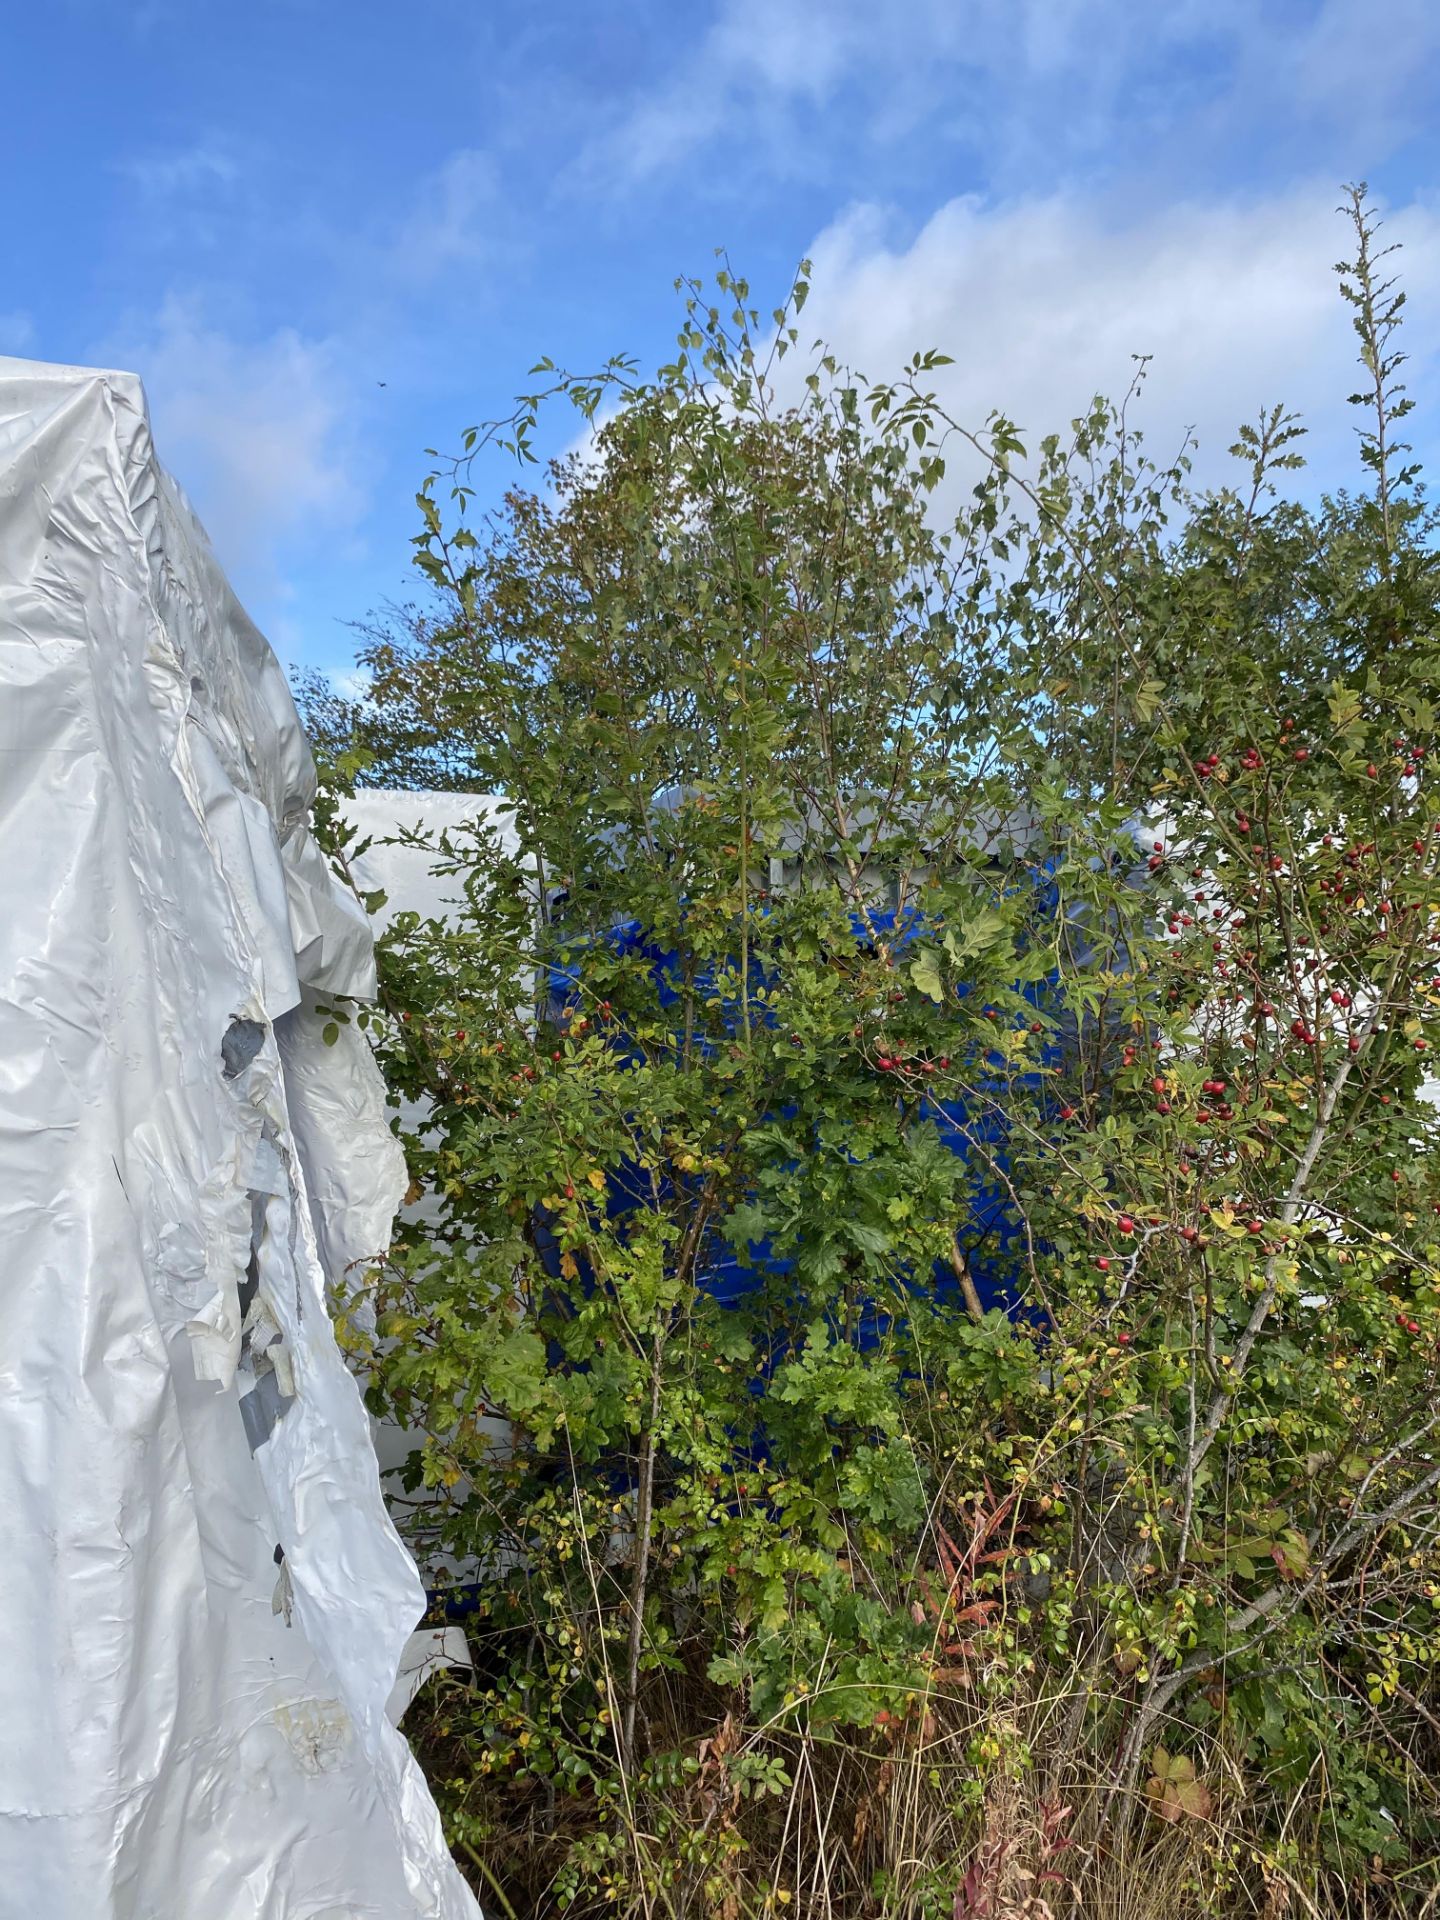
x,y
271,209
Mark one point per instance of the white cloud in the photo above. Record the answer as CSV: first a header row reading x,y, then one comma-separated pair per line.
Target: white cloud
x,y
259,433
1042,303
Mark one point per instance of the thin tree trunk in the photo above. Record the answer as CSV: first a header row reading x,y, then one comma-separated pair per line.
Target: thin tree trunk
x,y
639,1582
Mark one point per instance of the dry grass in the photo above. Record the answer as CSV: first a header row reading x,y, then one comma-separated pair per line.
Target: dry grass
x,y
946,1816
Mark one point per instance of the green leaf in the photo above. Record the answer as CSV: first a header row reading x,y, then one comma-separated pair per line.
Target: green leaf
x,y
925,975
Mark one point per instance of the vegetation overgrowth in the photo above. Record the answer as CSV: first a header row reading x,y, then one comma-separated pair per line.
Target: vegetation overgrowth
x,y
1097,818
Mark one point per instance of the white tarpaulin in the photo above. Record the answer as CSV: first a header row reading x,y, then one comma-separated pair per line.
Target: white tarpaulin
x,y
203,1603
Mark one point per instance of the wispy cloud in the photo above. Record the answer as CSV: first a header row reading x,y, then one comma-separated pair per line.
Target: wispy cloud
x,y
1028,87
275,432
262,432
453,218
163,174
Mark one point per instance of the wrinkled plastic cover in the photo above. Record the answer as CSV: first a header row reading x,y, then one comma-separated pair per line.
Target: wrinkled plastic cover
x,y
193,1728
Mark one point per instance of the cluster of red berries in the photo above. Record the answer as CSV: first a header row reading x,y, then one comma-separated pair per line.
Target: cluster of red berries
x,y
1192,1236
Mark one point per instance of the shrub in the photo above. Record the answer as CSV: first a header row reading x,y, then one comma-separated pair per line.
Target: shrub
x,y
1089,830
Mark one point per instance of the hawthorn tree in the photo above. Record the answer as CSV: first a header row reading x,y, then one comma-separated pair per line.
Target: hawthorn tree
x,y
926,1325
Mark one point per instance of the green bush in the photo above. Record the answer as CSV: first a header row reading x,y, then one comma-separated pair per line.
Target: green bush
x,y
852,1598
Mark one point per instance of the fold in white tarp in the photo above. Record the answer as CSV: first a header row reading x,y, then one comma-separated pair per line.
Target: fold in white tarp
x,y
197,1639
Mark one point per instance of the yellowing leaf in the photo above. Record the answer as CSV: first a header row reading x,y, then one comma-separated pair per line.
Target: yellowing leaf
x,y
1147,698
1344,704
1173,1789
925,973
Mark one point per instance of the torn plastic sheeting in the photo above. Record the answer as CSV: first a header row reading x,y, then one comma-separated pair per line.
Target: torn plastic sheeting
x,y
173,1137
